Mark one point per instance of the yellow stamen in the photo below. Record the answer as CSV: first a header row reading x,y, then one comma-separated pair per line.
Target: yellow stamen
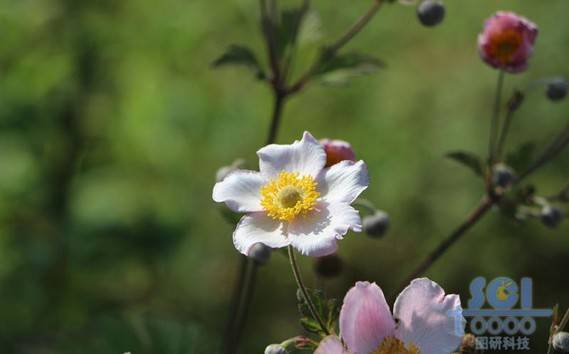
x,y
289,195
392,345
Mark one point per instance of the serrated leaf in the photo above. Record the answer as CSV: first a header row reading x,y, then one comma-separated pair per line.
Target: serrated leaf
x,y
239,55
327,309
468,159
341,67
522,156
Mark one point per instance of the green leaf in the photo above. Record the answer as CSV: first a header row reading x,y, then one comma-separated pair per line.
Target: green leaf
x,y
342,67
289,27
521,158
468,159
310,325
327,309
239,55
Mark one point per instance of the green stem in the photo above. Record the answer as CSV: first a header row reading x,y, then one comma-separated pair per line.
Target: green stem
x,y
494,124
330,50
365,204
356,27
302,287
484,206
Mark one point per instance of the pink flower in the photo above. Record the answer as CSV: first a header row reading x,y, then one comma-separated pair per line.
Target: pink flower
x,y
506,43
337,151
424,321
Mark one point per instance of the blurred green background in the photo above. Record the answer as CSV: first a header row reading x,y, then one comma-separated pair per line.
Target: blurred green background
x,y
112,126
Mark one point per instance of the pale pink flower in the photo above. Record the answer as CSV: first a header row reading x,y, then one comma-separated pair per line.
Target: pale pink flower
x,y
424,321
506,42
294,200
337,151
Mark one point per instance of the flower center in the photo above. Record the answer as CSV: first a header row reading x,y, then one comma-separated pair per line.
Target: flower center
x,y
289,195
392,345
505,45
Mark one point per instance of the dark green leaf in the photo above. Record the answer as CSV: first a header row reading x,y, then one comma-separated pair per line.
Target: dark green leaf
x,y
310,325
521,158
340,67
289,27
327,309
240,56
468,159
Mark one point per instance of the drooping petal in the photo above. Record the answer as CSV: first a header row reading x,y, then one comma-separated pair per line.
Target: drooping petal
x,y
365,318
258,227
330,345
428,318
306,157
316,233
240,190
343,182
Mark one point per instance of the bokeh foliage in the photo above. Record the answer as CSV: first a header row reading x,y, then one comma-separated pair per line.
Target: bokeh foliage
x,y
112,126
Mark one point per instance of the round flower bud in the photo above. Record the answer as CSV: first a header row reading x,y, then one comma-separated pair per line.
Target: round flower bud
x,y
507,41
431,12
551,216
260,253
275,349
376,225
328,266
556,89
502,176
336,151
560,342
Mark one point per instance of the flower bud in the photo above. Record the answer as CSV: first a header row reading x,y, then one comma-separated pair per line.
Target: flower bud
x,y
502,176
260,253
560,342
328,266
556,89
506,43
336,151
376,225
275,349
431,12
551,216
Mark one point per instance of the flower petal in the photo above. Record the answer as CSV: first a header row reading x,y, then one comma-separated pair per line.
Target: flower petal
x,y
258,227
365,318
240,190
330,345
316,234
343,182
428,318
306,157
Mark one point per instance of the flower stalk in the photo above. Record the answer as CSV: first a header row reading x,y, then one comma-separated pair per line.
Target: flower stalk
x,y
483,207
494,124
302,288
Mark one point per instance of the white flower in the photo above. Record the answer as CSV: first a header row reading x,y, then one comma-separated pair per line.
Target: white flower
x,y
294,200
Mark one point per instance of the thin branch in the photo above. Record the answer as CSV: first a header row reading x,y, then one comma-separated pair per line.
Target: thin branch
x,y
485,205
494,124
304,292
550,152
356,28
331,50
